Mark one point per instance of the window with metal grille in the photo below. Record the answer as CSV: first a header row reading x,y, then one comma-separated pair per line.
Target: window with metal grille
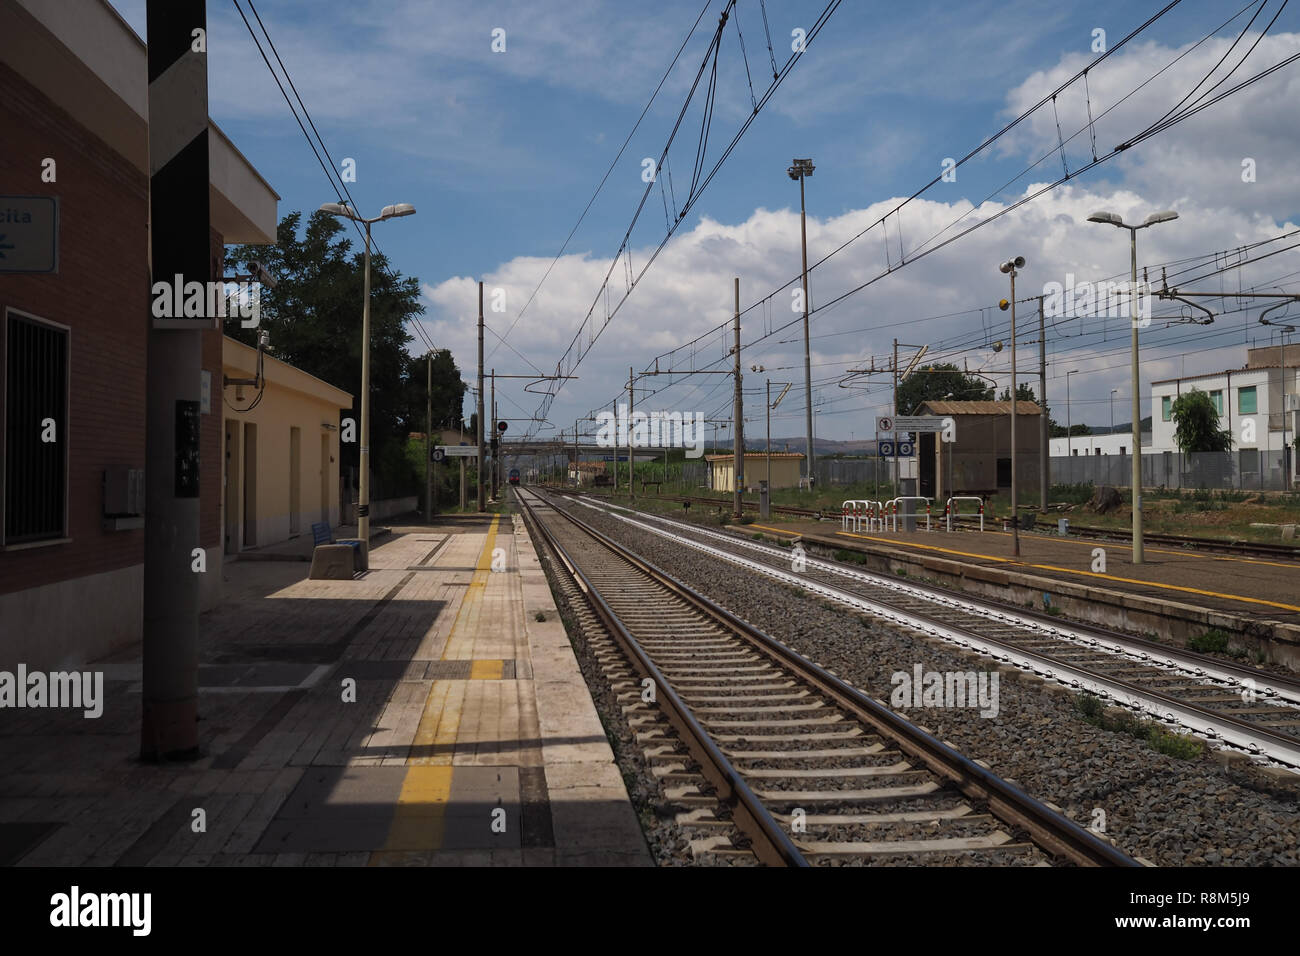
x,y
35,429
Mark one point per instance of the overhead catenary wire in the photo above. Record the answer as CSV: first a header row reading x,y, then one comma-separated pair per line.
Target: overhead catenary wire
x,y
331,173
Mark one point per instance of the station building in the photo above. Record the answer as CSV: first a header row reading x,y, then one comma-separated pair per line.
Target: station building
x,y
74,110
280,450
787,467
978,462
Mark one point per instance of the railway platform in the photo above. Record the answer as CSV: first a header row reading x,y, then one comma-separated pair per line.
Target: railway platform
x,y
428,712
1175,592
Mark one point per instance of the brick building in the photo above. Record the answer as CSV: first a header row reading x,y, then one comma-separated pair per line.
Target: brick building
x,y
74,108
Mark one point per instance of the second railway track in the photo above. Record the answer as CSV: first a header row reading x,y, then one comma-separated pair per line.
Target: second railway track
x,y
1241,707
811,769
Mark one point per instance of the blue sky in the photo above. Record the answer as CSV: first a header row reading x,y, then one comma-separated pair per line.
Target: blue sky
x,y
500,152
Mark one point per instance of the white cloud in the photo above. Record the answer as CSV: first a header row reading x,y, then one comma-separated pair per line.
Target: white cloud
x,y
689,290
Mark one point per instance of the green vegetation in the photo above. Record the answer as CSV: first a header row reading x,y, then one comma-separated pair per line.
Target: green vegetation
x,y
1197,423
313,317
936,383
1211,642
1180,746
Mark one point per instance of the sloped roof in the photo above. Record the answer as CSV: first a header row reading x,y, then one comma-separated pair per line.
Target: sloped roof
x,y
757,454
980,408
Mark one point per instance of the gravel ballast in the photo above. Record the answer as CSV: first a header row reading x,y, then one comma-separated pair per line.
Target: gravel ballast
x,y
1169,811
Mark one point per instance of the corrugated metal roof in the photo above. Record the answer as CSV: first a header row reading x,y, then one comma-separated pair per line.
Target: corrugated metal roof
x,y
756,454
981,408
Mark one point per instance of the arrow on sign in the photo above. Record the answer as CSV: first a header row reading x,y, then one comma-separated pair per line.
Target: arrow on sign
x,y
4,245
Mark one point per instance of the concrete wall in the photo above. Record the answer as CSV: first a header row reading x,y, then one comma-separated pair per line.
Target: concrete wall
x,y
263,514
67,624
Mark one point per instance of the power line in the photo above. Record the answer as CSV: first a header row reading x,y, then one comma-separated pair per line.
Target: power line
x,y
603,179
331,174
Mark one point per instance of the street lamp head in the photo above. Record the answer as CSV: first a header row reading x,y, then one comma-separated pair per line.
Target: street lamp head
x,y
399,209
337,209
801,168
1104,216
1156,217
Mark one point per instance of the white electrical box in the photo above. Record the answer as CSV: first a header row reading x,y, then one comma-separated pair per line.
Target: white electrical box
x,y
123,498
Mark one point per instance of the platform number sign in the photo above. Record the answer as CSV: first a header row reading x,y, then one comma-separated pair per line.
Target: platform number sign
x,y
905,449
886,449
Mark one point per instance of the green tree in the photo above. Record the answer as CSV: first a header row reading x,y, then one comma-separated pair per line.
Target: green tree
x,y
314,317
1197,424
1025,393
937,382
448,392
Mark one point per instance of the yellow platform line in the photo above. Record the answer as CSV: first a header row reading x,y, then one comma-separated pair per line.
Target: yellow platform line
x,y
420,819
1125,543
1091,574
487,670
439,725
471,603
1166,587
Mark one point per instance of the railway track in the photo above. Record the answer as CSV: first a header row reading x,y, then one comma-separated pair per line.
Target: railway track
x,y
1240,707
1252,549
810,769
1255,549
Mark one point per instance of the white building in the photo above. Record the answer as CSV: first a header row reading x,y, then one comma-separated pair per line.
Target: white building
x,y
1120,443
1249,402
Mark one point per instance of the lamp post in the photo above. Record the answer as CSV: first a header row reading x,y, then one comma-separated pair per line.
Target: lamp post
x,y
1286,449
1151,220
1009,268
1112,409
800,170
363,496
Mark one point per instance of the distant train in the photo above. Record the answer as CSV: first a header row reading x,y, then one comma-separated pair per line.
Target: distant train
x,y
514,476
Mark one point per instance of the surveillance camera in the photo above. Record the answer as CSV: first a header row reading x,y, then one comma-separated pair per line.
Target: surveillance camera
x,y
261,275
264,339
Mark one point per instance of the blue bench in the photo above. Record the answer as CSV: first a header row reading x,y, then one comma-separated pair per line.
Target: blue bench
x,y
321,534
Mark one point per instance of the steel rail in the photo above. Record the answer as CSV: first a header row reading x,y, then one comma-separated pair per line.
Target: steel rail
x,y
1049,829
771,843
1203,666
1231,730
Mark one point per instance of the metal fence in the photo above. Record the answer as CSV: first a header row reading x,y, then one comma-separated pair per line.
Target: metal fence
x,y
1246,468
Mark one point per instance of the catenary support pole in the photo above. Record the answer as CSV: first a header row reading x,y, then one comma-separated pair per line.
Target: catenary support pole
x,y
482,504
181,252
1044,462
738,415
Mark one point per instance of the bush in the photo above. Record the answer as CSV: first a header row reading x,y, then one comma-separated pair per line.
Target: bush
x,y
1211,642
1179,746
